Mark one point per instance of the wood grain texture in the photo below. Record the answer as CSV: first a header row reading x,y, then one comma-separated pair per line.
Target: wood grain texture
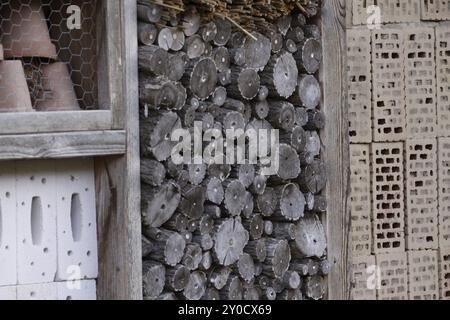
x,y
118,183
59,121
62,145
336,151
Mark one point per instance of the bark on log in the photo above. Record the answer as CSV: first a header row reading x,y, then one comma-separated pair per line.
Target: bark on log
x,y
194,47
281,75
266,203
147,33
197,173
309,56
203,79
296,138
288,295
165,39
211,294
221,57
169,246
153,278
249,205
220,96
246,268
289,163
178,222
268,228
220,171
156,134
255,226
278,258
153,172
193,200
301,117
257,249
154,60
245,83
281,115
149,12
234,197
191,22
193,256
316,121
313,178
177,63
223,32
177,278
163,95
147,247
308,92
231,238
283,230
290,202
219,277
209,32
310,239
196,286
233,290
314,287
320,204
159,203
259,185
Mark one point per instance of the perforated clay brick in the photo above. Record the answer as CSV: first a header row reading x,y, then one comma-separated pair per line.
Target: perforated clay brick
x,y
392,11
420,82
360,199
423,275
421,194
388,103
8,221
77,290
435,9
444,191
36,232
443,78
444,273
393,270
388,197
360,276
76,220
43,291
360,86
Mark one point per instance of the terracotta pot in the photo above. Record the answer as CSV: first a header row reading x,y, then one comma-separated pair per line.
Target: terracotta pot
x,y
14,93
58,92
24,31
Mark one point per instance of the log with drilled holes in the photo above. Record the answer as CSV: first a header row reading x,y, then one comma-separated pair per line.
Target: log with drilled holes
x,y
243,224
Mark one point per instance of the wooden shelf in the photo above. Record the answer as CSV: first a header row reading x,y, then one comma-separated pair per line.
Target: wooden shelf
x,y
62,145
46,122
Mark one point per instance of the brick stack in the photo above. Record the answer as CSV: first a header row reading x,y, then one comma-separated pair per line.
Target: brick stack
x,y
400,148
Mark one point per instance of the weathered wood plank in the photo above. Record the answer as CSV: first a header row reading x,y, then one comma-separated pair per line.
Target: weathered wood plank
x,y
62,145
47,122
336,151
118,183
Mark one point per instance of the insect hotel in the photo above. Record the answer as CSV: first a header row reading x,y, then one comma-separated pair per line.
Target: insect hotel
x,y
224,150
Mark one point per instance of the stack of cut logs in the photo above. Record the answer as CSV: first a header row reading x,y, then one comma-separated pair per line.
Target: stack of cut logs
x,y
227,231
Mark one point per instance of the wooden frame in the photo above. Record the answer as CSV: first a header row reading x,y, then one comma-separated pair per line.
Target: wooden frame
x,y
111,136
110,115
336,146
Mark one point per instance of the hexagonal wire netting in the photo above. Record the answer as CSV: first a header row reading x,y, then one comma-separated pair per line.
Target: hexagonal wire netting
x,y
45,43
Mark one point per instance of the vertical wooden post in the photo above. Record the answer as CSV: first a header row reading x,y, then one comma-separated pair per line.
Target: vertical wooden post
x,y
336,141
118,184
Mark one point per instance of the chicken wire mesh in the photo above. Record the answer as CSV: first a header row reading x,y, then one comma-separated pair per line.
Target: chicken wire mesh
x,y
49,55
